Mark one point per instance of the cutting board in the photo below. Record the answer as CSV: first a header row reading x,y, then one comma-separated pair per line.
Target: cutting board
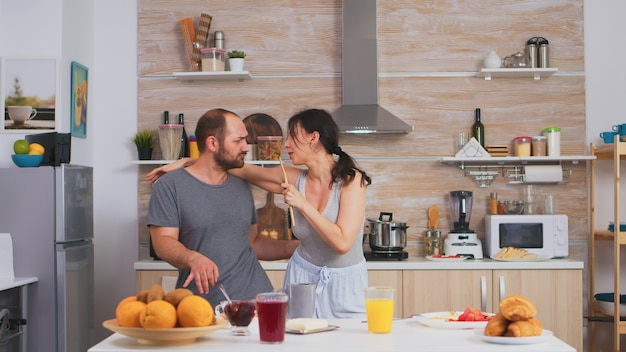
x,y
270,217
261,125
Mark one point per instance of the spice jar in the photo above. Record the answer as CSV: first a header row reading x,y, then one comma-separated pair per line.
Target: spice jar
x,y
493,203
213,59
539,146
521,145
269,147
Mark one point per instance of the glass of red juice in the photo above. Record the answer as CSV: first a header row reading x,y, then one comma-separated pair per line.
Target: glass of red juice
x,y
272,312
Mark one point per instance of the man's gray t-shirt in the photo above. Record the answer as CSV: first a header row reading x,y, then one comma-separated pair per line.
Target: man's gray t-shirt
x,y
215,221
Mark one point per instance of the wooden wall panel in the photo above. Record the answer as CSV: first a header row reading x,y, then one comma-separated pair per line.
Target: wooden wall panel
x,y
428,53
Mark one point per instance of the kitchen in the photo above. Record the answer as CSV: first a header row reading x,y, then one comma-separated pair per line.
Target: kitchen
x,y
117,222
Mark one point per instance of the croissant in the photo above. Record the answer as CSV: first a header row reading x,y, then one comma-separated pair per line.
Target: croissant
x,y
523,328
517,307
496,326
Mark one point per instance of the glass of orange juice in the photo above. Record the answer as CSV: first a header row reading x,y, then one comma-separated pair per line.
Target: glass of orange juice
x,y
379,308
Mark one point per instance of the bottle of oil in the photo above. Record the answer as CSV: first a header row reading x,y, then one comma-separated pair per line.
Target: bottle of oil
x,y
478,129
184,140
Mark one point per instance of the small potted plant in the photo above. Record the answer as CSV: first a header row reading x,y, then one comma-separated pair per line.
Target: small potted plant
x,y
236,59
143,141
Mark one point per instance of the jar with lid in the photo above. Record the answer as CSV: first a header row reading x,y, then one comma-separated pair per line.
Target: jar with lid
x,y
213,59
539,146
269,147
433,245
553,136
521,145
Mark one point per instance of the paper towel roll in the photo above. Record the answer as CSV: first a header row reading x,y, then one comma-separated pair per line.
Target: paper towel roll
x,y
543,173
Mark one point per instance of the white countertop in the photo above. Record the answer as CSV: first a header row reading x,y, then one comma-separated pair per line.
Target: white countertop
x,y
352,335
415,263
7,283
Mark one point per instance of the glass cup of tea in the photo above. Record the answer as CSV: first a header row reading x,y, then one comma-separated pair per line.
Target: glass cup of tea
x,y
239,314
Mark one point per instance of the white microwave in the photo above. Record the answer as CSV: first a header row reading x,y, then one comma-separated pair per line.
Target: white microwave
x,y
543,235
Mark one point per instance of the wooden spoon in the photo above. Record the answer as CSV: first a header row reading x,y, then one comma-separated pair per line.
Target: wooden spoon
x,y
433,218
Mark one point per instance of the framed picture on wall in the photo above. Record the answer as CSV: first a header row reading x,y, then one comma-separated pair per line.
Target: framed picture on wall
x,y
78,104
29,89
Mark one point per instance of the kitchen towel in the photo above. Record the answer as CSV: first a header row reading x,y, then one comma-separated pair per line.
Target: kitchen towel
x,y
543,173
6,256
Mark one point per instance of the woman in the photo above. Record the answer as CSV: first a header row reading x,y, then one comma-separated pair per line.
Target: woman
x,y
328,198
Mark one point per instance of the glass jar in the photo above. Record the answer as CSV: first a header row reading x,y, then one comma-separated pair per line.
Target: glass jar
x,y
269,147
213,59
553,136
433,244
521,145
539,146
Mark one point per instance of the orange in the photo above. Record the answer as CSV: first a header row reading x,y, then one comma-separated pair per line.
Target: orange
x,y
129,314
158,314
194,311
124,301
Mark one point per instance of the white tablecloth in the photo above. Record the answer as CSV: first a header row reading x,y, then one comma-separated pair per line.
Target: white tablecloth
x,y
352,335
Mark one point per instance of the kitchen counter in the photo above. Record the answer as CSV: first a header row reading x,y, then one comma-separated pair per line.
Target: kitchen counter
x,y
416,263
352,335
7,283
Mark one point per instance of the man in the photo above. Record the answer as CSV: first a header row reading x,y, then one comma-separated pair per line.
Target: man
x,y
203,219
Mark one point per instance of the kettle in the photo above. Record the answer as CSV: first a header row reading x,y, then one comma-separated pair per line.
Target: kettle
x,y
517,60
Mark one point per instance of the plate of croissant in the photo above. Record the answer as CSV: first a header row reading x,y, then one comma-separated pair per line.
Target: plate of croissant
x,y
515,323
506,340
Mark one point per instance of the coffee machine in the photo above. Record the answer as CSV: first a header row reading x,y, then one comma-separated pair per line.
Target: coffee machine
x,y
461,240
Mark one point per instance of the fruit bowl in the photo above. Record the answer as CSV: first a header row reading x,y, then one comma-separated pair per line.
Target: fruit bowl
x,y
27,160
174,336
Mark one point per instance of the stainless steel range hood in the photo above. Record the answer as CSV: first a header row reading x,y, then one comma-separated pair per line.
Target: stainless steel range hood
x,y
360,112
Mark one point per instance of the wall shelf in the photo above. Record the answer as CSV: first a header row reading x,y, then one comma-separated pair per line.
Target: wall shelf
x,y
481,169
517,159
163,162
535,73
213,76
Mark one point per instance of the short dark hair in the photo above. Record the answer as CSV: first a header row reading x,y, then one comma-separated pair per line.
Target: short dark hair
x,y
212,123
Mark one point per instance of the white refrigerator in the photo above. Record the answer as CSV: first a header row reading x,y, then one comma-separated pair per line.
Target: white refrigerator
x,y
48,211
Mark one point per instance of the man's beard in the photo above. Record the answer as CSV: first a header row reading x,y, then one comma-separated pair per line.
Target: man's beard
x,y
222,159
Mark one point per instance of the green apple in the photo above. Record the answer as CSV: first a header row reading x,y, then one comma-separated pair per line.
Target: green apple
x,y
21,146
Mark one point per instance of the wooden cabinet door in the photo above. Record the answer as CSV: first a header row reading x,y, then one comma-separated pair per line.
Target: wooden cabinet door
x,y
144,279
446,290
391,278
557,294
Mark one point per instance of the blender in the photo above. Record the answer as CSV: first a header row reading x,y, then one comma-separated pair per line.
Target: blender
x,y
461,240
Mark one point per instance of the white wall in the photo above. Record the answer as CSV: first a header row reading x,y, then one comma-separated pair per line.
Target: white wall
x,y
58,27
102,36
115,98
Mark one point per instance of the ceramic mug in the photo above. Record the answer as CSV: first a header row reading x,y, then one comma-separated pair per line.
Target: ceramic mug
x,y
621,130
21,114
608,136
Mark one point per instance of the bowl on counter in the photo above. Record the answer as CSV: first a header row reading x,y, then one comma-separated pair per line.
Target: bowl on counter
x,y
513,207
27,160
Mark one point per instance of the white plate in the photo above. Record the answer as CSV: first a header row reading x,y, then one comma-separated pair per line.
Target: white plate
x,y
440,320
312,331
446,259
536,259
502,340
